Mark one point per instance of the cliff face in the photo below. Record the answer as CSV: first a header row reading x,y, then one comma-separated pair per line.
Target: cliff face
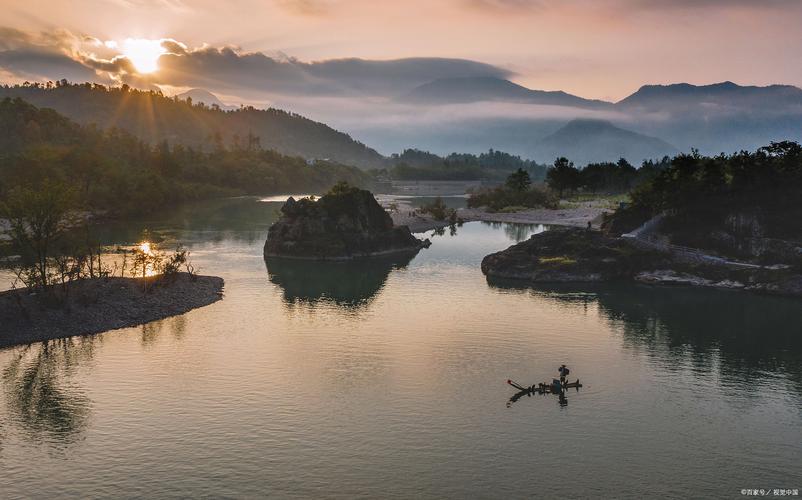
x,y
344,224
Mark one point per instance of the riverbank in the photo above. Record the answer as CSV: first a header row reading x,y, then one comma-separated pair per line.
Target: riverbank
x,y
99,305
404,214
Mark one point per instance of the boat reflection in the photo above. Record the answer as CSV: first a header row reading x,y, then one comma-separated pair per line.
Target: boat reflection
x,y
562,400
347,284
750,340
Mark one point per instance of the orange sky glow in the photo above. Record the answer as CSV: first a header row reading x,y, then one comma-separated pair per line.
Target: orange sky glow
x,y
594,48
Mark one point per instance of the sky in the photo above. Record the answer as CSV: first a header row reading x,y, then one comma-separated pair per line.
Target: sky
x,y
246,49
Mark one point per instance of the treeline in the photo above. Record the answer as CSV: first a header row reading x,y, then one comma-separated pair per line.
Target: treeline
x,y
759,191
606,177
414,164
115,171
153,117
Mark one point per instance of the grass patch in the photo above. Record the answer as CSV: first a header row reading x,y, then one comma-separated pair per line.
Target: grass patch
x,y
557,261
511,209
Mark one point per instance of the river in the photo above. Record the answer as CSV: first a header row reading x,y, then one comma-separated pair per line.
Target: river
x,y
388,380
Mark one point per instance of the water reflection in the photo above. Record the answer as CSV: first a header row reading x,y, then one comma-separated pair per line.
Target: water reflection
x,y
151,331
349,284
518,232
241,219
42,401
748,340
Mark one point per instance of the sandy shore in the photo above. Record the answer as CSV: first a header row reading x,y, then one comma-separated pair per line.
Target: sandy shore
x,y
576,216
100,305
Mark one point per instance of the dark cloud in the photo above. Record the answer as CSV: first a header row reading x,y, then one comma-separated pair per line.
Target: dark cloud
x,y
34,64
229,70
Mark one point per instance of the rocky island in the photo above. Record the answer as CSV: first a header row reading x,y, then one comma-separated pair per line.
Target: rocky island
x,y
345,223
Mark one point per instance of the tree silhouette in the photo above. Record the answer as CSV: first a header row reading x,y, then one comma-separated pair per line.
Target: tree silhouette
x,y
519,180
563,176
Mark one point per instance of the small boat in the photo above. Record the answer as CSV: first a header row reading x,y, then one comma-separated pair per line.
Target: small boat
x,y
555,387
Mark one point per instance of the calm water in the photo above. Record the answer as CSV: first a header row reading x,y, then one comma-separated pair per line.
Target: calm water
x,y
387,380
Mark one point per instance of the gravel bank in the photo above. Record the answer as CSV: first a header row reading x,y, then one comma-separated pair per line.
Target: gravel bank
x,y
406,215
100,305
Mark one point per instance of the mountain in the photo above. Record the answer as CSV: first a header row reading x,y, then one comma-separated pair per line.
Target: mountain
x,y
204,96
477,89
725,94
722,117
586,141
153,118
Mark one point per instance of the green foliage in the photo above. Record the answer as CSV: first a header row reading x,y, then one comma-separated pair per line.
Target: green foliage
x,y
414,164
706,195
771,176
500,198
439,210
519,180
341,188
38,220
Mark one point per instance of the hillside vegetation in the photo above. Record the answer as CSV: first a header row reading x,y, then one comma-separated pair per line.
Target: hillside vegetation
x,y
744,205
153,117
414,164
115,171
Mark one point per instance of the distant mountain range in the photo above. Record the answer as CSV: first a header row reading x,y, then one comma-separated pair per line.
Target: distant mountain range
x,y
204,96
722,117
658,98
446,115
466,90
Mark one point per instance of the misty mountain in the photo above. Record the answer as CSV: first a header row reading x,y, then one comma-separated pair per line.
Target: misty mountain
x,y
204,96
587,141
723,117
668,98
493,113
476,89
153,118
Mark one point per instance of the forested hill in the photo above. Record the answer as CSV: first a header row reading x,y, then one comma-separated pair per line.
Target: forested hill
x,y
153,118
111,170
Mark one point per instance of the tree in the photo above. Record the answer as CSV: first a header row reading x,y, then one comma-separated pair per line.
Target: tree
x,y
38,219
563,176
519,180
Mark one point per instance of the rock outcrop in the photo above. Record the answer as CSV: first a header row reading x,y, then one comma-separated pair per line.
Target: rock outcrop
x,y
345,223
568,255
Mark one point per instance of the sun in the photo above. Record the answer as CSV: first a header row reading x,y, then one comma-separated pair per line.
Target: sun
x,y
144,54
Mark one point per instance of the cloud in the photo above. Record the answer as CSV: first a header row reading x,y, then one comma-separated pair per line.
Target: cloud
x,y
45,56
60,54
